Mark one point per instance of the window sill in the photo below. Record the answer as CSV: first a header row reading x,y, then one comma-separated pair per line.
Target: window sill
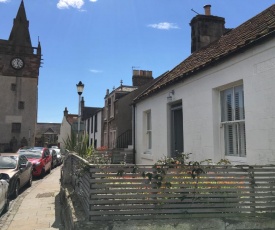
x,y
235,160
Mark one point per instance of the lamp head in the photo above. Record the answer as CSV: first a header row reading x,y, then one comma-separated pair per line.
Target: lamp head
x,y
80,87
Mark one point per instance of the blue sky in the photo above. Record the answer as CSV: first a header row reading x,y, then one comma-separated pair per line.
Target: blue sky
x,y
98,42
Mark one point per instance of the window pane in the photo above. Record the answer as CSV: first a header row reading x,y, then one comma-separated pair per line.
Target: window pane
x,y
92,124
231,147
88,126
242,142
96,123
148,130
16,128
149,139
239,105
227,103
148,121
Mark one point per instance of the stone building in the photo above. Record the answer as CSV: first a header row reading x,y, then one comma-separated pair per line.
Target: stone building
x,y
47,134
117,112
19,71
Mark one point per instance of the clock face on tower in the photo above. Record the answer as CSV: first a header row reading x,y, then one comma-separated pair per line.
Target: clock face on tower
x,y
17,63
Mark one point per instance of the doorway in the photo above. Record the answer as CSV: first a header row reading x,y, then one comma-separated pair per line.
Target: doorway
x,y
176,129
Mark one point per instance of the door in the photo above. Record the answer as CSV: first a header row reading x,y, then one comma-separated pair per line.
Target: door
x,y
176,129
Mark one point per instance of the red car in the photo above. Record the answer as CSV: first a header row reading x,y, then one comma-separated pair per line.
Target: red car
x,y
40,158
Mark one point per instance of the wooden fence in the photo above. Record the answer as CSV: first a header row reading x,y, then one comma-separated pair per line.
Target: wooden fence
x,y
122,192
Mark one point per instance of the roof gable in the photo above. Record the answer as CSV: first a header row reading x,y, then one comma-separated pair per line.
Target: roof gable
x,y
245,35
47,128
71,118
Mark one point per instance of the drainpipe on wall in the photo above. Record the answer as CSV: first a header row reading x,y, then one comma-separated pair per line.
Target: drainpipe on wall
x,y
134,131
94,121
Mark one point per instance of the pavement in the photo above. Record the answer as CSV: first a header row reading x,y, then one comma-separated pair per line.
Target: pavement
x,y
36,208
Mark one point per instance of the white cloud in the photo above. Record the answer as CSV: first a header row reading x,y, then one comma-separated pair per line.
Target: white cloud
x,y
164,26
95,71
4,1
65,4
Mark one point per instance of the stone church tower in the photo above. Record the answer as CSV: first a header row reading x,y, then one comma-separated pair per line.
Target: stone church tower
x,y
19,71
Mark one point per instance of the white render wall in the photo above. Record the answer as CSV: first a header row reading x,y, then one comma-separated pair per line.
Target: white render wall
x,y
255,69
65,132
95,135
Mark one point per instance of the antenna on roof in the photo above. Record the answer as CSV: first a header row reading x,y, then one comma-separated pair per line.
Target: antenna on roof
x,y
195,11
135,67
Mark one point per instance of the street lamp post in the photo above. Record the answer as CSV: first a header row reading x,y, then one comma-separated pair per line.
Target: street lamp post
x,y
79,87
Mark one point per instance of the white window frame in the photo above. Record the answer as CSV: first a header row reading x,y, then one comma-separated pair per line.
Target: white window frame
x,y
233,121
147,132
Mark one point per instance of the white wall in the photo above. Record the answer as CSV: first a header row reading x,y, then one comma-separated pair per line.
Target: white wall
x,y
201,110
65,132
95,135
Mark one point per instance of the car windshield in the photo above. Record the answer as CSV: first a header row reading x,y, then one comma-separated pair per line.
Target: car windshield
x,y
31,154
8,162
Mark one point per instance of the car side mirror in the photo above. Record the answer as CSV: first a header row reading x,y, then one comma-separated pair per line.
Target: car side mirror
x,y
21,166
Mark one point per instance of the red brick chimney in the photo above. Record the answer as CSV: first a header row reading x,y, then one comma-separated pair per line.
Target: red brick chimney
x,y
207,9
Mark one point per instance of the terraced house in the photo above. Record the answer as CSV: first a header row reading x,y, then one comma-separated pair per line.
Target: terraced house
x,y
219,102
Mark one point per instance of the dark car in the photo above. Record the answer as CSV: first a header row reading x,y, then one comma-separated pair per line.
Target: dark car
x,y
18,170
54,158
40,158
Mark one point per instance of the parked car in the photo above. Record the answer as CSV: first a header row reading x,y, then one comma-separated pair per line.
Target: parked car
x,y
54,158
4,199
18,170
23,148
58,155
40,158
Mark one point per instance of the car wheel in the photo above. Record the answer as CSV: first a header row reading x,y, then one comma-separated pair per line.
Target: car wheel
x,y
29,184
42,173
16,189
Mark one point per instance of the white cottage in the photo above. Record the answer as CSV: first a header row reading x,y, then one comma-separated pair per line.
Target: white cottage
x,y
69,124
93,126
219,102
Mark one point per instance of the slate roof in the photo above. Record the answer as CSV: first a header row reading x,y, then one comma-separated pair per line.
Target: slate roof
x,y
244,36
89,112
43,128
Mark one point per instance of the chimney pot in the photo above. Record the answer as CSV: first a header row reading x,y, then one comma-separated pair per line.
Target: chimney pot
x,y
207,9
